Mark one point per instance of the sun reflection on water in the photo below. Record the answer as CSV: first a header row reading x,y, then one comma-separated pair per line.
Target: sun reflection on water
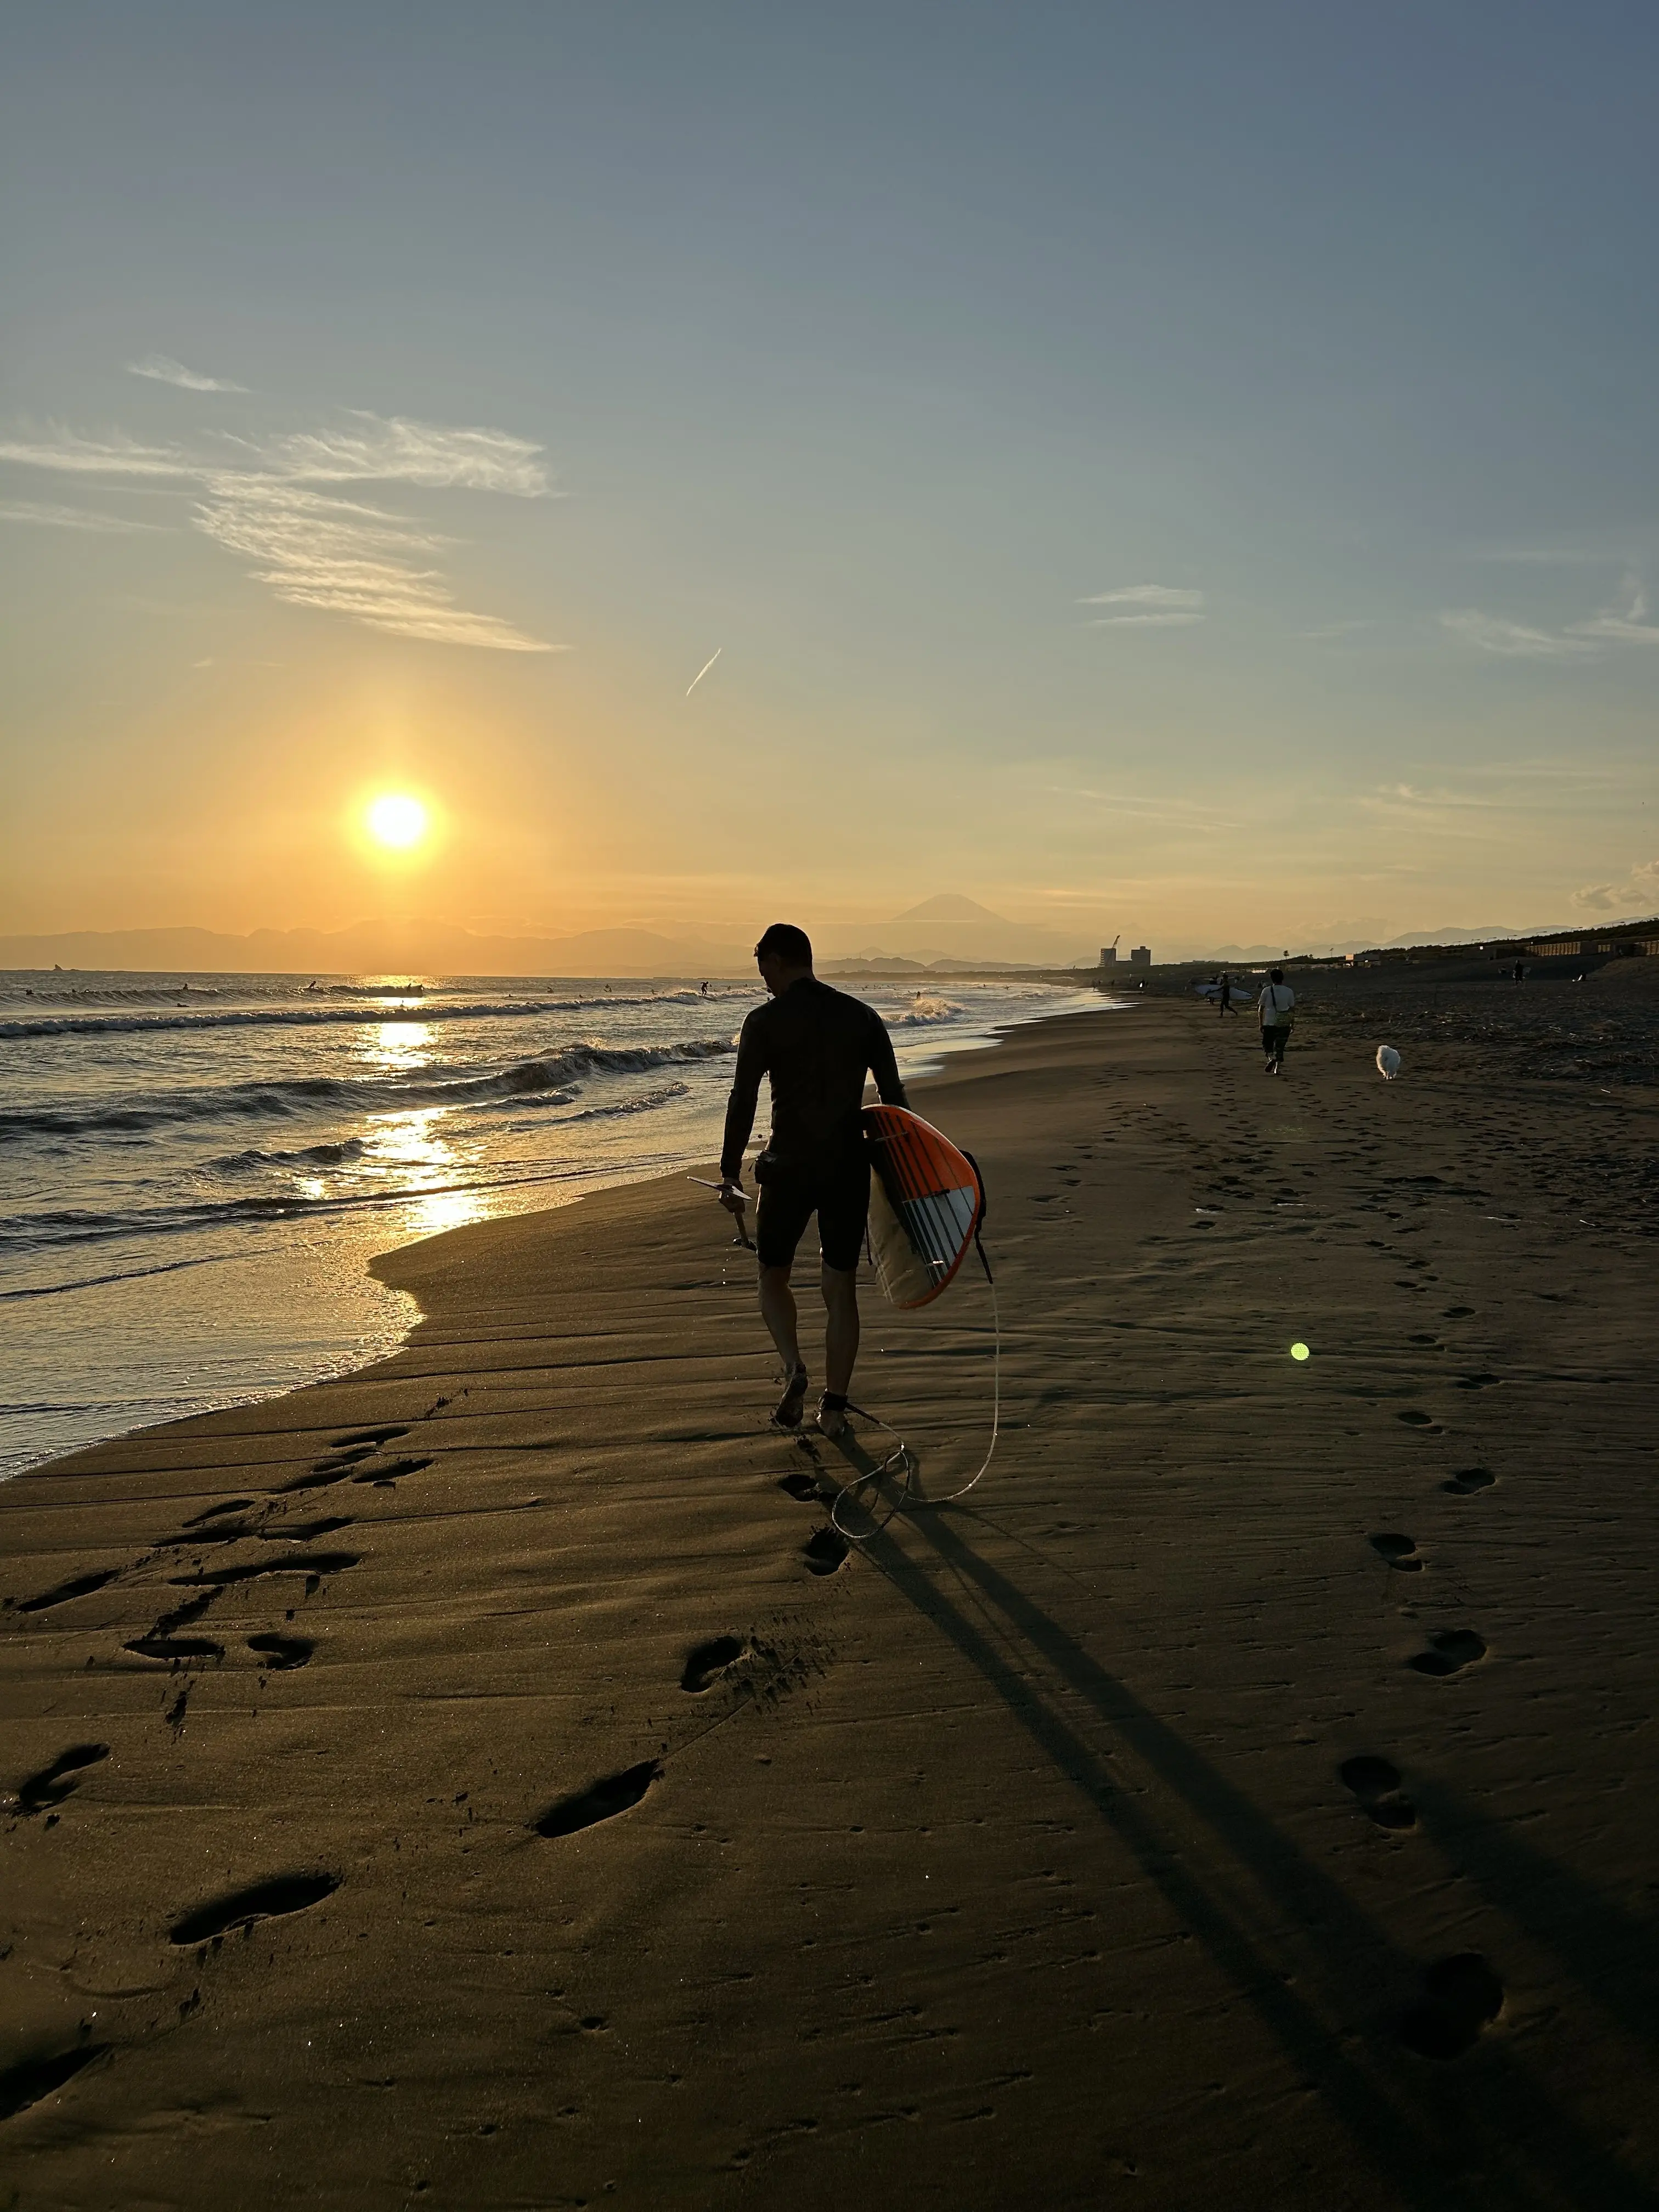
x,y
410,1152
399,1048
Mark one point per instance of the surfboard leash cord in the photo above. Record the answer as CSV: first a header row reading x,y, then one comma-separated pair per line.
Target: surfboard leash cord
x,y
902,1451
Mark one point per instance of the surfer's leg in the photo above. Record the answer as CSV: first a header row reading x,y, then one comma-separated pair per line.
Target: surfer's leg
x,y
777,1305
841,1341
844,1210
780,1218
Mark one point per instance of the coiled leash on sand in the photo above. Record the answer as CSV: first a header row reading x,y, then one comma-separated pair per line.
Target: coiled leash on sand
x,y
903,1456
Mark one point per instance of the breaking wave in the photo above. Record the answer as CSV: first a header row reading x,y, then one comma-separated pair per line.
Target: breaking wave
x,y
394,1006
354,1094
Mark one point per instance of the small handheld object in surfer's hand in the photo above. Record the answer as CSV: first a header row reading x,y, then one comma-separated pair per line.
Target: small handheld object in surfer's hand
x,y
726,1191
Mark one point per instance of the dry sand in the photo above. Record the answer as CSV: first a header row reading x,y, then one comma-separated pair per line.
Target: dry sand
x,y
610,1843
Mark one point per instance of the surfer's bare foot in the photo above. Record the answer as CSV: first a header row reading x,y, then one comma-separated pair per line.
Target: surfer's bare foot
x,y
787,1413
832,1413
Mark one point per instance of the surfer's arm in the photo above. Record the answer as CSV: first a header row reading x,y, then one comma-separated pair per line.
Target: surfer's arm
x,y
740,1106
883,1066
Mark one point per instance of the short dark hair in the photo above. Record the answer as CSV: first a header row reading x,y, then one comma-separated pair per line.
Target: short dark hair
x,y
1276,975
783,941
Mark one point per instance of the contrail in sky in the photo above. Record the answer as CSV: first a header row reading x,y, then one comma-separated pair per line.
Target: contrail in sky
x,y
704,670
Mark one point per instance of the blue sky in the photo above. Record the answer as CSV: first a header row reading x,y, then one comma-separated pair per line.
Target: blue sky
x,y
1188,469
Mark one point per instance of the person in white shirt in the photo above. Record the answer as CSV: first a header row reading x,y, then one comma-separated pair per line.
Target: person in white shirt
x,y
1274,1008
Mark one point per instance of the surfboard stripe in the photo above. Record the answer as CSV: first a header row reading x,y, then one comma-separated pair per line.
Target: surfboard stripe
x,y
932,1203
939,1223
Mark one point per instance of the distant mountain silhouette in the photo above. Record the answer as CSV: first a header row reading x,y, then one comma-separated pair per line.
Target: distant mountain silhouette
x,y
951,906
408,948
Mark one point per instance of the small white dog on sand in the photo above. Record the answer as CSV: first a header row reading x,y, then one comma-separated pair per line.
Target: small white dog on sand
x,y
1388,1062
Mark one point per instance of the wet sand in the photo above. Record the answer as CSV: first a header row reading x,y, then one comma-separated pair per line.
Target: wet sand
x,y
479,1781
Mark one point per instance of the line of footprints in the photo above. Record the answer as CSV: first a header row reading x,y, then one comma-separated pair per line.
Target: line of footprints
x,y
1460,1995
755,1670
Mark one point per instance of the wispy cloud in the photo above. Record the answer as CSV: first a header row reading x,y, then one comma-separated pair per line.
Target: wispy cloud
x,y
112,455
1146,606
314,548
1625,622
162,368
1510,640
1184,814
70,518
390,449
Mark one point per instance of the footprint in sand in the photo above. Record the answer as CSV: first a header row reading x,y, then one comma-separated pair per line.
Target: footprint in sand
x,y
327,1471
617,1793
1461,1996
228,1532
800,1485
382,1477
305,1532
78,1586
826,1551
1399,1551
1469,1480
1449,1652
55,1782
1415,1419
266,1900
1375,1784
281,1654
163,1640
311,1564
27,2084
705,1666
212,1512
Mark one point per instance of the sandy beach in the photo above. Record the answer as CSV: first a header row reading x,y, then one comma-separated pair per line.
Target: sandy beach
x,y
486,1780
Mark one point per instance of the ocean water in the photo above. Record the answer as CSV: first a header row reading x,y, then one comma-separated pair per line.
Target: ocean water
x,y
195,1170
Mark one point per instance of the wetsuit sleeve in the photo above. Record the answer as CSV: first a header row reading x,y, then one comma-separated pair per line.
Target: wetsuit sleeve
x,y
745,1091
883,1066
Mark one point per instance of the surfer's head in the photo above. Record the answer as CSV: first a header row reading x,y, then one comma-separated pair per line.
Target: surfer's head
x,y
783,956
1276,975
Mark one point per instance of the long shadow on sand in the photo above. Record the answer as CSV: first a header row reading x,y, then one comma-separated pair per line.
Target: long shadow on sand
x,y
1612,1954
1482,2133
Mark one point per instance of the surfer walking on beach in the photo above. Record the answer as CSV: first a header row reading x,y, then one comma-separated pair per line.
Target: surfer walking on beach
x,y
816,1045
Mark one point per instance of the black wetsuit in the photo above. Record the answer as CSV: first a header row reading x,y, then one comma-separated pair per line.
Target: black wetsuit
x,y
816,1046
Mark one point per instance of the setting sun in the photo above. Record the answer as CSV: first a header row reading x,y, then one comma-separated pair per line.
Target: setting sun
x,y
397,820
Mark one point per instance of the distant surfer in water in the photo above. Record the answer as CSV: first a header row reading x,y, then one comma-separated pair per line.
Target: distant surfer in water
x,y
816,1045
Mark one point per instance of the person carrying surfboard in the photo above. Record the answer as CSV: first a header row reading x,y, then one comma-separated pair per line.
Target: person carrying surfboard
x,y
816,1045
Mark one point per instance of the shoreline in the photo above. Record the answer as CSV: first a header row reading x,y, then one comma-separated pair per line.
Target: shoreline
x,y
1020,1856
359,1322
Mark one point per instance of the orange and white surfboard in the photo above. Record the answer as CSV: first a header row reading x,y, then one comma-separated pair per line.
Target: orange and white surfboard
x,y
927,1200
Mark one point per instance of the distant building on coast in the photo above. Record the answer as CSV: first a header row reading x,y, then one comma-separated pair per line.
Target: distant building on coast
x,y
1621,940
1140,956
1109,955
